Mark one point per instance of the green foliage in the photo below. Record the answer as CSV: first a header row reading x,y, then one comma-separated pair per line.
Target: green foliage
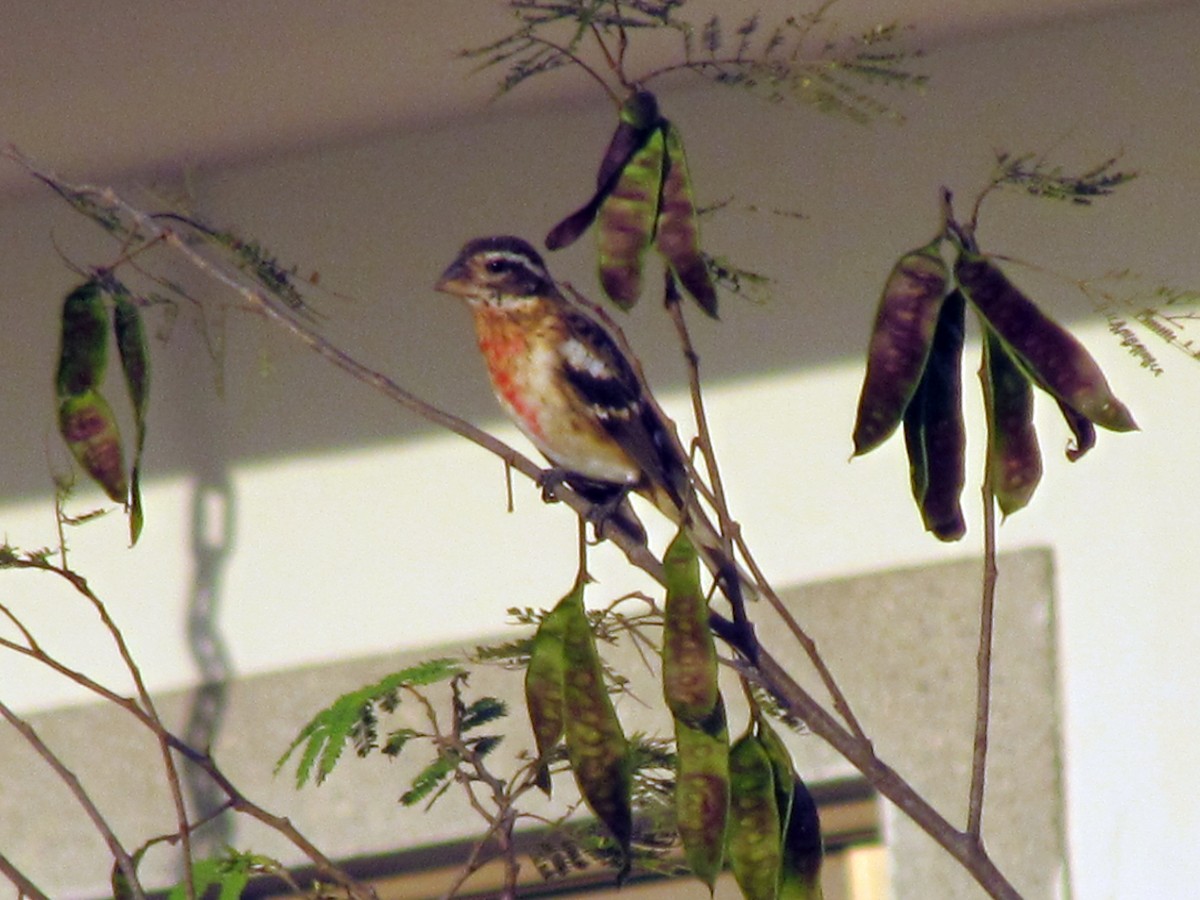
x,y
436,774
353,717
1035,176
798,58
229,874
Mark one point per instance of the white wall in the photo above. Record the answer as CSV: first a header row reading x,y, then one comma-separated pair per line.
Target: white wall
x,y
358,530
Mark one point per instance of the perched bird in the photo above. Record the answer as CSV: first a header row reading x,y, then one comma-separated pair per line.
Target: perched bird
x,y
570,387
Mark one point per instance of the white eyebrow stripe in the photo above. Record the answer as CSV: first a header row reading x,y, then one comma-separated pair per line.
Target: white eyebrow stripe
x,y
521,258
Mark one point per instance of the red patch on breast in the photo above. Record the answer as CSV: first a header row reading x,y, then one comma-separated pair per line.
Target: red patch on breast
x,y
506,352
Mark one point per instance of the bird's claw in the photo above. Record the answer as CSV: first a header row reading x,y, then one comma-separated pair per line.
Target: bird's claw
x,y
549,481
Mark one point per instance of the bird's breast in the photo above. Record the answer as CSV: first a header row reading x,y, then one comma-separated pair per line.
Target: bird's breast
x,y
526,373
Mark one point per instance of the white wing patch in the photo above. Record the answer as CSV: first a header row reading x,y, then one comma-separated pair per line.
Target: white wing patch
x,y
579,357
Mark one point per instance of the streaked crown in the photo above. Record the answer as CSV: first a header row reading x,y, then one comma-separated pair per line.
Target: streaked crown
x,y
492,268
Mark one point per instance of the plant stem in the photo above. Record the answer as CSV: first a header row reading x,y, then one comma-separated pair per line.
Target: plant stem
x,y
962,846
983,660
25,887
120,855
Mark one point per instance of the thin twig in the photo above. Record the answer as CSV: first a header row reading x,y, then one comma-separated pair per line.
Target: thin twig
x,y
123,860
969,852
730,531
26,889
237,801
983,661
80,584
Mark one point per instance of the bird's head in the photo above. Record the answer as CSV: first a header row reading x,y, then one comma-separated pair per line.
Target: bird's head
x,y
497,269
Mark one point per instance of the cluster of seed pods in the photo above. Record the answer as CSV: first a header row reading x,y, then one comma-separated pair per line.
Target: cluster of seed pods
x,y
643,197
744,804
775,847
914,378
568,701
85,418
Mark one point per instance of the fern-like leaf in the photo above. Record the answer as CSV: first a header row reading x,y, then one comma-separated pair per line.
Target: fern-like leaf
x,y
352,718
1036,177
429,778
482,711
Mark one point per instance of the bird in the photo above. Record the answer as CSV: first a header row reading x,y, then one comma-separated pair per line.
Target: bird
x,y
570,386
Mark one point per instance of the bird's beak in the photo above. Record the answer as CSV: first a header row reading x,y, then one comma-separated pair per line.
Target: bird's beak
x,y
455,280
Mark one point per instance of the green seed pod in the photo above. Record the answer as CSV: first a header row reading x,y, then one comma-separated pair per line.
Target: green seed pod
x,y
900,343
1047,351
639,116
677,234
626,222
135,363
755,837
89,427
934,434
689,652
544,685
800,868
702,793
596,745
84,346
1013,451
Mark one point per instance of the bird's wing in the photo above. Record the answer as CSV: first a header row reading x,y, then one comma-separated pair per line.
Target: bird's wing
x,y
608,383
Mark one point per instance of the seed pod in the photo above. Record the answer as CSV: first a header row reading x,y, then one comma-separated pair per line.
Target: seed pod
x,y
135,363
1048,352
1082,428
596,745
89,427
803,852
755,847
544,685
626,221
934,434
84,347
702,792
1013,451
800,867
639,115
900,343
677,234
689,652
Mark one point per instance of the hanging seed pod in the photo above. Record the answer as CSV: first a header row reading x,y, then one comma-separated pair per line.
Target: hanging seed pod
x,y
626,222
803,852
934,434
89,428
639,116
677,233
1048,352
83,353
689,652
135,363
1081,427
755,845
544,685
1014,455
596,745
900,343
702,792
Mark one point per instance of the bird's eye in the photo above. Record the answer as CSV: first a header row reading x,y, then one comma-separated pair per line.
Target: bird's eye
x,y
498,265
